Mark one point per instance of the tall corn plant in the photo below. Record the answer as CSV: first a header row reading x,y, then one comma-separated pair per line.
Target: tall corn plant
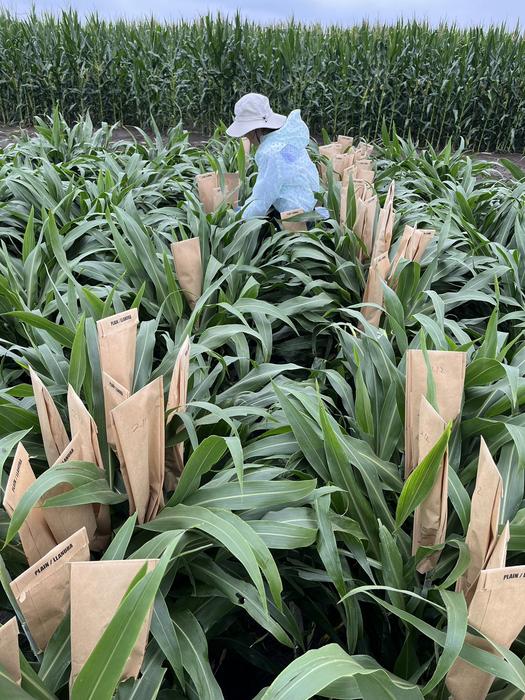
x,y
433,83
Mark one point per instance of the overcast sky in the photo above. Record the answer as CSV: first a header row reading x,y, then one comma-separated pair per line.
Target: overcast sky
x,y
463,12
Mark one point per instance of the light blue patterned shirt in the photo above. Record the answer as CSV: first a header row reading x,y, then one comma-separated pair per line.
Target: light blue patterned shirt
x,y
287,178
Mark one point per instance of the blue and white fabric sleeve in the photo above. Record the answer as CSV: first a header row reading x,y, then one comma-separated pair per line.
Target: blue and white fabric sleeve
x,y
266,189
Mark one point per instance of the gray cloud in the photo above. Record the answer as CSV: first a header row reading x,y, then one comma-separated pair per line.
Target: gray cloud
x,y
463,12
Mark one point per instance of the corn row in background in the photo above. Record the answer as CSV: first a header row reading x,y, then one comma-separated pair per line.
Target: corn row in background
x,y
433,82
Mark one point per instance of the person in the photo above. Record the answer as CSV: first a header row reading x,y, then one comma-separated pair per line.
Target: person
x,y
287,178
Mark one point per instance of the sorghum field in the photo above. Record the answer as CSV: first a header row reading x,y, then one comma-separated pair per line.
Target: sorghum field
x,y
260,460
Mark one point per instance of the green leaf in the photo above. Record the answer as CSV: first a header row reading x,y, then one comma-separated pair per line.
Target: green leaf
x,y
305,432
420,482
343,476
280,624
29,242
64,336
228,530
9,689
163,631
513,169
254,495
144,353
431,394
392,562
73,473
363,407
7,445
100,674
119,545
78,362
147,687
32,684
202,459
315,671
194,650
456,606
329,554
96,491
509,668
57,657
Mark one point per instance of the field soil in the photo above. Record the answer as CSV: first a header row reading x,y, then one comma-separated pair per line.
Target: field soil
x,y
8,133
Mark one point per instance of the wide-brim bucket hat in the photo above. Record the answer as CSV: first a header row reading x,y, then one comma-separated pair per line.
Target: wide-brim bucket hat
x,y
253,111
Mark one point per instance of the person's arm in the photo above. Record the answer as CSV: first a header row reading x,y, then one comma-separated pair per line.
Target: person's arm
x,y
266,189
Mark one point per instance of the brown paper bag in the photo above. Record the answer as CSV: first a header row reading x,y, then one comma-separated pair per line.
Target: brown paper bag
x,y
345,141
188,267
293,226
82,424
212,194
482,532
229,193
330,150
9,651
342,162
385,224
419,243
349,173
448,369
365,150
430,517
177,400
365,173
139,429
117,341
42,592
363,189
339,163
412,246
364,223
54,434
64,522
374,289
114,394
35,535
401,253
88,581
206,183
232,184
498,558
362,192
343,205
496,610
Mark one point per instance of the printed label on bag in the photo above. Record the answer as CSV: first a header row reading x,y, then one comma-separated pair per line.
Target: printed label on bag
x,y
54,559
116,388
67,456
507,577
17,474
117,321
